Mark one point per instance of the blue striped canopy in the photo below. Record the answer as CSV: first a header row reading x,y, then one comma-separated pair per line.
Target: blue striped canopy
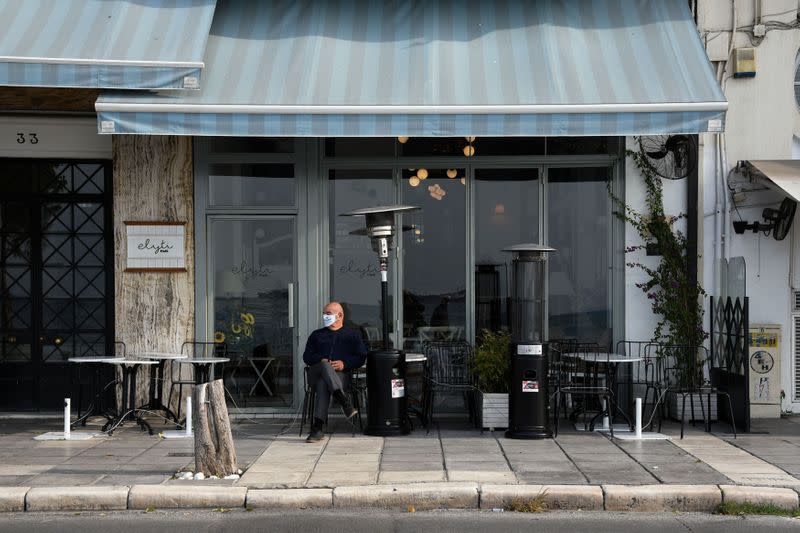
x,y
439,68
121,44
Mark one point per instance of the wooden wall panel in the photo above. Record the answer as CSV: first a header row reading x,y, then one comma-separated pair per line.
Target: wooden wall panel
x,y
153,181
47,99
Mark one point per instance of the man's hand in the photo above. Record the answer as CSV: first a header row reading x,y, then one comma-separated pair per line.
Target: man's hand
x,y
337,365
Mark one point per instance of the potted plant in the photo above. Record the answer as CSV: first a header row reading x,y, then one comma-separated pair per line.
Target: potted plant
x,y
490,366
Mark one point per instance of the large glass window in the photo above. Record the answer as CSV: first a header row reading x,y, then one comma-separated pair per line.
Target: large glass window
x,y
354,278
579,228
435,256
506,213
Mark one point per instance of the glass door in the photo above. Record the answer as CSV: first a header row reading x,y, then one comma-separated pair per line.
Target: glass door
x,y
252,277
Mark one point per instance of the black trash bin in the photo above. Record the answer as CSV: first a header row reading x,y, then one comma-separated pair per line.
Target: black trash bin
x,y
528,396
386,407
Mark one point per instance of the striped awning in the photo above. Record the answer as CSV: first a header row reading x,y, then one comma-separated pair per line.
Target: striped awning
x,y
439,68
116,44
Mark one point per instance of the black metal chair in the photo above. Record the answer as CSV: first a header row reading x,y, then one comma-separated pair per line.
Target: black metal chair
x,y
683,372
581,373
643,374
447,369
356,389
192,350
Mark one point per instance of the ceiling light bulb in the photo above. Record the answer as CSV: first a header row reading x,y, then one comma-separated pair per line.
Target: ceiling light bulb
x,y
452,173
413,181
422,173
469,150
402,139
470,139
499,209
463,181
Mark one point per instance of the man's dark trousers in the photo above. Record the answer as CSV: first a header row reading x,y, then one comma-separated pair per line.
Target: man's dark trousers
x,y
325,381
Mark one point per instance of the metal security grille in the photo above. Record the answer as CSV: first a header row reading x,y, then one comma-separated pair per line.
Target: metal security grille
x,y
55,275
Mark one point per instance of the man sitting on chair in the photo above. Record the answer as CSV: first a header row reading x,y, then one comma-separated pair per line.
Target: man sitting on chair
x,y
330,353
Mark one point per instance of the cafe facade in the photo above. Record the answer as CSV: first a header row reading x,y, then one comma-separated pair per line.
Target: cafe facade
x,y
248,137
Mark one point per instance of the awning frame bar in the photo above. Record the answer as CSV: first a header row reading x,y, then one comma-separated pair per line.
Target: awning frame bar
x,y
77,61
533,109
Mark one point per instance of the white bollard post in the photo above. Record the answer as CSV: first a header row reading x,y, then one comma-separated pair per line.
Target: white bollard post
x,y
638,426
606,420
66,418
188,416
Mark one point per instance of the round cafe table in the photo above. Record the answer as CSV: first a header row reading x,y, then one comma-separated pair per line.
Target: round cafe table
x,y
204,367
128,410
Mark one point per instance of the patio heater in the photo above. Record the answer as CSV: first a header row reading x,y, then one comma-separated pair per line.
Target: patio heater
x,y
528,389
386,367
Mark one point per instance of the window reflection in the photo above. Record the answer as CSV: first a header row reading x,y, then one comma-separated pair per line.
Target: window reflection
x,y
434,275
245,184
354,279
506,213
579,226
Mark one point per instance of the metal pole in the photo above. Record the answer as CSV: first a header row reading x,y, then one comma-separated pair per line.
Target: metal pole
x,y
67,428
638,426
189,416
384,267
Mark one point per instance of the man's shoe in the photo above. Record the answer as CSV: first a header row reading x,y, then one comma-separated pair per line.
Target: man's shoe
x,y
347,407
316,434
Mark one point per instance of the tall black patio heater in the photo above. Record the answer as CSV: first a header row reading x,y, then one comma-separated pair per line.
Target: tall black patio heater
x,y
528,390
386,368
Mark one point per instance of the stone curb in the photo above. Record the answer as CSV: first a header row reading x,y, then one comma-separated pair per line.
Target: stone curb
x,y
572,497
12,498
289,498
77,498
420,495
176,496
656,498
779,497
649,498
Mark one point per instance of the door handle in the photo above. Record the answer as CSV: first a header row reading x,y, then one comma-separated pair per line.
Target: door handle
x,y
291,305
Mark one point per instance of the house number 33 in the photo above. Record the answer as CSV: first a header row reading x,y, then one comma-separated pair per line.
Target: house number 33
x,y
30,138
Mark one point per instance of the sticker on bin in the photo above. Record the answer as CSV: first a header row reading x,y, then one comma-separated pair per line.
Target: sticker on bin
x,y
398,388
529,349
530,386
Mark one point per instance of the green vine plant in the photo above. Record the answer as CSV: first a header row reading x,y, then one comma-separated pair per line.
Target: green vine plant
x,y
675,297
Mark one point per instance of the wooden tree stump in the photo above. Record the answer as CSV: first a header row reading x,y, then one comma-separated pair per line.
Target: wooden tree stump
x,y
214,452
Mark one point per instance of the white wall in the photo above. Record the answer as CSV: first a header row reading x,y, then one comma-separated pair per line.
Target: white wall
x,y
640,322
761,123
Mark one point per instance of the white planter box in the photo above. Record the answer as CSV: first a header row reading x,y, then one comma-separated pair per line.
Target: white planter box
x,y
676,401
494,410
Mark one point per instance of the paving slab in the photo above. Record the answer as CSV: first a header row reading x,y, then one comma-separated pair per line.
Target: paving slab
x,y
411,476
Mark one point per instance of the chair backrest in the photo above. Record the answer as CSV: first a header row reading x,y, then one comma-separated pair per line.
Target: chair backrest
x,y
643,371
449,362
681,366
204,349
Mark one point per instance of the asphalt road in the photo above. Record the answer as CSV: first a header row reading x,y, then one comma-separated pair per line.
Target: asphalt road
x,y
240,521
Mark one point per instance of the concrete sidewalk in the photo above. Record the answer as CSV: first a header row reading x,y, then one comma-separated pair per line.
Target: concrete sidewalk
x,y
589,470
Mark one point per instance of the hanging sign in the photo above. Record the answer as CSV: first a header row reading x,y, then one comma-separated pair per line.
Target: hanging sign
x,y
156,246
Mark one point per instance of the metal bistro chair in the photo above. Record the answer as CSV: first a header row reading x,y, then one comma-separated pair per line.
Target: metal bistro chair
x,y
556,377
447,369
356,389
684,371
192,350
644,374
581,373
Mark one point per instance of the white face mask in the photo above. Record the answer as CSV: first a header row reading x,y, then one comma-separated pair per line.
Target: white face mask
x,y
328,320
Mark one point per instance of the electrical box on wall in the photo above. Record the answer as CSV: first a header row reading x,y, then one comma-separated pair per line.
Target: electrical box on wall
x,y
744,62
765,370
